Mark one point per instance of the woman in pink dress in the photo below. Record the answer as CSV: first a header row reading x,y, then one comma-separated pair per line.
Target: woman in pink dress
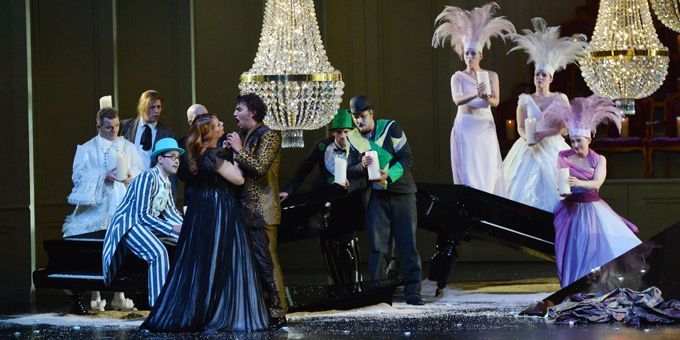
x,y
529,169
475,153
588,233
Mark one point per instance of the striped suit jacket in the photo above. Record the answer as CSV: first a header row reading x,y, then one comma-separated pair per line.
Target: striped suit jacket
x,y
135,211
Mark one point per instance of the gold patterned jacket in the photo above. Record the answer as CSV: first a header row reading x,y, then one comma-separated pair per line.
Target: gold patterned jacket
x,y
260,159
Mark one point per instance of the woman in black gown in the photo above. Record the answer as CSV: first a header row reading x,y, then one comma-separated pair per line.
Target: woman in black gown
x,y
212,284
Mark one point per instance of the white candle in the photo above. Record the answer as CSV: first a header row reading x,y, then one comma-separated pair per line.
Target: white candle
x,y
530,130
340,170
106,101
122,166
483,78
510,129
374,167
563,181
624,127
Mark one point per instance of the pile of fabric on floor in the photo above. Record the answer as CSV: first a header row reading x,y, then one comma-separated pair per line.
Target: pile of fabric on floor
x,y
620,305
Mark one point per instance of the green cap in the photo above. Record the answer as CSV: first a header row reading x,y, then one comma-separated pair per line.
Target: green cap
x,y
342,120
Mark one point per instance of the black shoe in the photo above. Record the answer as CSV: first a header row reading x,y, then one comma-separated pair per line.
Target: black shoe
x,y
277,323
438,292
415,300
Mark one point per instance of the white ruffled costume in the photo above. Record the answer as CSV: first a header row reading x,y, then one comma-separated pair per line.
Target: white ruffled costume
x,y
530,170
95,198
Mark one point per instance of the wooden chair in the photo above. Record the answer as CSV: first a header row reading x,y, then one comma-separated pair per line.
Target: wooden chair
x,y
670,141
639,130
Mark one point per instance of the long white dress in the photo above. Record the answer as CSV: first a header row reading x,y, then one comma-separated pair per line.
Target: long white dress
x,y
96,199
530,170
475,153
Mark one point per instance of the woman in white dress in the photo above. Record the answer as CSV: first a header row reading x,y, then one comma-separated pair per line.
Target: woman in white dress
x,y
529,168
475,153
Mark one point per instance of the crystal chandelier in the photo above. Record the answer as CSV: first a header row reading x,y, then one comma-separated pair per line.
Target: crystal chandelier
x,y
668,12
291,71
626,60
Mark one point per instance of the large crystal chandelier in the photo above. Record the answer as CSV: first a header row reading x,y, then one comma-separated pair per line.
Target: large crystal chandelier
x,y
626,61
291,71
668,12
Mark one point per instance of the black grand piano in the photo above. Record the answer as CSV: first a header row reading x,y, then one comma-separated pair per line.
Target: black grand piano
x,y
456,213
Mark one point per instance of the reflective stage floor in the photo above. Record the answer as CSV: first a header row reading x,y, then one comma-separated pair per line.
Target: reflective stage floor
x,y
481,303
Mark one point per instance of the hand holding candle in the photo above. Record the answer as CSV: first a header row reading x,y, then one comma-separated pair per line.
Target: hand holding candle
x,y
563,181
374,167
483,78
340,172
530,130
122,166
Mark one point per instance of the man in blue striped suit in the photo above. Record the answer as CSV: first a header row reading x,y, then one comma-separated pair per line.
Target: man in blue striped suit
x,y
147,209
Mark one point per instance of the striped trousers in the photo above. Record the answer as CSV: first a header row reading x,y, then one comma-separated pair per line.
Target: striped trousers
x,y
145,245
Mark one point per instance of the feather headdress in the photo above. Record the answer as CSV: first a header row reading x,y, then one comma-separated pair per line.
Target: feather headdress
x,y
584,114
546,49
470,29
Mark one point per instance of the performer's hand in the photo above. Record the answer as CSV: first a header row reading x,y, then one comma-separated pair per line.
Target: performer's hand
x,y
366,161
574,182
177,228
539,135
234,140
283,195
343,185
128,179
383,176
111,176
481,91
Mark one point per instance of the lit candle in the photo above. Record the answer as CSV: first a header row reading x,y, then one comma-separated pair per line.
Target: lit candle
x,y
677,120
530,130
563,181
122,166
374,167
624,127
510,129
340,172
483,78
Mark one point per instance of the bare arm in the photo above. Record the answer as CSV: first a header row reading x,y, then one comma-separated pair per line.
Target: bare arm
x,y
231,173
596,182
521,115
494,98
459,97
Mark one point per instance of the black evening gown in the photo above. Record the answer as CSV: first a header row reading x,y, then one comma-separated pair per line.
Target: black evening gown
x,y
212,284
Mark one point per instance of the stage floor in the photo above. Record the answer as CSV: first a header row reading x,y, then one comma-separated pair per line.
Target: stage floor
x,y
469,309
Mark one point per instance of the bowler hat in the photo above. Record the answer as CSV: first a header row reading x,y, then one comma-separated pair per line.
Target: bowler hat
x,y
164,145
342,120
359,104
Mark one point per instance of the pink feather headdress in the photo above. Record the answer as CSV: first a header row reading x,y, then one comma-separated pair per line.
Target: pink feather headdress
x,y
584,114
546,49
470,29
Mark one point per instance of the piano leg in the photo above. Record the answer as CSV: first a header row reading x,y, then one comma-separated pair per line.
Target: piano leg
x,y
341,256
78,306
443,261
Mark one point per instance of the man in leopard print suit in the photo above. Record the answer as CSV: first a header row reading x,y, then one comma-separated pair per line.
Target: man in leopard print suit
x,y
257,150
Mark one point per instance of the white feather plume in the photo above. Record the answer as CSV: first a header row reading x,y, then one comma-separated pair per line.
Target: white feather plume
x,y
461,27
545,46
585,113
